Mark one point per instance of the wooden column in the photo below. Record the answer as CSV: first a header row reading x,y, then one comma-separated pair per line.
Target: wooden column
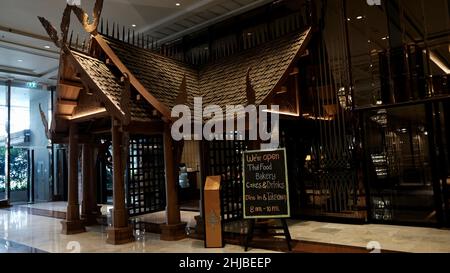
x,y
89,209
174,229
73,223
120,232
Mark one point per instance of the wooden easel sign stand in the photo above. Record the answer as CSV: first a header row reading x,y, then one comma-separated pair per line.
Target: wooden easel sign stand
x,y
266,191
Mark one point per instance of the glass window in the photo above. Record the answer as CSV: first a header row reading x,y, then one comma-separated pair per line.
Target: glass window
x,y
399,165
3,116
29,146
399,50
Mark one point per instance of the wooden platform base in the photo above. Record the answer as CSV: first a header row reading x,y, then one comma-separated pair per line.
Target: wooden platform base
x,y
119,236
4,204
72,227
91,219
173,232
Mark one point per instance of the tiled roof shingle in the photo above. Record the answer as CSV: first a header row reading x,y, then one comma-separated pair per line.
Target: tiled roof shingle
x,y
222,82
111,87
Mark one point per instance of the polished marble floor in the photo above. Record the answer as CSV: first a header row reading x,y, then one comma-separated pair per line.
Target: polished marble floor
x,y
53,206
387,237
44,233
7,246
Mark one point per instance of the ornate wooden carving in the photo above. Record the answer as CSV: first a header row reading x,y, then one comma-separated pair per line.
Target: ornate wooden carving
x,y
182,96
51,31
65,24
250,92
125,100
83,17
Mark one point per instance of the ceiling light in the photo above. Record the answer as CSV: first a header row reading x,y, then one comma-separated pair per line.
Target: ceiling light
x,y
133,25
249,34
359,17
177,4
20,60
281,112
437,61
47,47
348,19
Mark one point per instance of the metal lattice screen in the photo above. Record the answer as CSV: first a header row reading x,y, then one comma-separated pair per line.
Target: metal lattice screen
x,y
225,159
146,179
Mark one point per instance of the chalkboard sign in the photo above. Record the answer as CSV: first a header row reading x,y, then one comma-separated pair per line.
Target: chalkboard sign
x,y
266,191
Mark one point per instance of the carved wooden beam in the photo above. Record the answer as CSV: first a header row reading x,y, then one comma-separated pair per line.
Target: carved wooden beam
x,y
83,17
250,92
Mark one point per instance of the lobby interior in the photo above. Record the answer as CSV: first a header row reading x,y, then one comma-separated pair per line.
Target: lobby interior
x,y
88,164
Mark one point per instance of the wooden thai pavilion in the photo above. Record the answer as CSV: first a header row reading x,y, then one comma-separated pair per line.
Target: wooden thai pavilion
x,y
124,92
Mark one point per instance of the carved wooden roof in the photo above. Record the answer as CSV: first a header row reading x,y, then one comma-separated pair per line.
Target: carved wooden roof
x,y
112,88
223,82
162,82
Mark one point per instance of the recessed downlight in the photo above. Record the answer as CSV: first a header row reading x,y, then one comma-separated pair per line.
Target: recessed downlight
x,y
177,4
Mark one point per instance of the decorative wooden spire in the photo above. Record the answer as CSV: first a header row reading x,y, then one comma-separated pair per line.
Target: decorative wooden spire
x,y
182,96
83,17
59,41
65,24
250,92
53,33
125,99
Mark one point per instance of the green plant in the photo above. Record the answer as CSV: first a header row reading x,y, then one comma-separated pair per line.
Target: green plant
x,y
18,170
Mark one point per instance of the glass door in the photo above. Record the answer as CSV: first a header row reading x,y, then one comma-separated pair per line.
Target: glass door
x,y
30,167
401,167
3,136
20,139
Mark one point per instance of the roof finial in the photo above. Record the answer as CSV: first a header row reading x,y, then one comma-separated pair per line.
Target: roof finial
x,y
53,33
84,18
182,96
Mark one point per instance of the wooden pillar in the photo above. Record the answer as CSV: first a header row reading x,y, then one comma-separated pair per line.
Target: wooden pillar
x,y
73,223
174,229
120,232
89,209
